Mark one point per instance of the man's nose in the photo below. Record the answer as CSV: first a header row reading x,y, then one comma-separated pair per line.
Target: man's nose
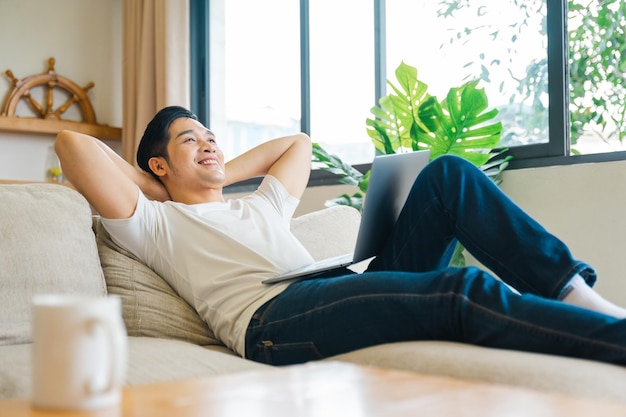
x,y
207,146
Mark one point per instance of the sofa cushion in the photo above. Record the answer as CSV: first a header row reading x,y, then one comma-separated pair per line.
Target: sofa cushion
x,y
159,360
150,360
15,371
150,306
547,373
47,246
328,232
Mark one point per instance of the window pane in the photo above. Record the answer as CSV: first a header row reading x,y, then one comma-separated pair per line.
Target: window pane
x,y
597,31
255,71
501,42
342,76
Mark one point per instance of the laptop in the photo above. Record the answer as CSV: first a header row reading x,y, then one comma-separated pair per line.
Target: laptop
x,y
391,179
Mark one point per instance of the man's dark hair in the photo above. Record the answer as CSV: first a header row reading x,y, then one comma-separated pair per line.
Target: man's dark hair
x,y
156,136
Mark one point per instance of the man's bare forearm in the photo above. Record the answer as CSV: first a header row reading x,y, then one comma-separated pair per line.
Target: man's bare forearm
x,y
258,161
81,155
151,187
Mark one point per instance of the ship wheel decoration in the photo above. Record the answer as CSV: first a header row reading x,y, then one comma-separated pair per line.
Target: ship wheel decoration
x,y
51,82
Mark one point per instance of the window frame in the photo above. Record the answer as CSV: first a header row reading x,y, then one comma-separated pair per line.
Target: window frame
x,y
553,152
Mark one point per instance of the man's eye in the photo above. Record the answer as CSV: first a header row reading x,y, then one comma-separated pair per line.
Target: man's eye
x,y
190,140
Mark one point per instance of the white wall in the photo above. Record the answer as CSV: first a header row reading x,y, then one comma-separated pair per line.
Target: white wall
x,y
582,204
585,205
85,38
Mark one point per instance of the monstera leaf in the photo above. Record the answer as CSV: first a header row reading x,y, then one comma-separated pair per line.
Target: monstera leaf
x,y
457,125
411,119
396,122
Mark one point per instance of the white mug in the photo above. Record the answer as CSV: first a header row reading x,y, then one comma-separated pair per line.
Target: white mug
x,y
79,352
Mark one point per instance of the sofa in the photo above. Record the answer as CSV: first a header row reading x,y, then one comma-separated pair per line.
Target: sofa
x,y
52,242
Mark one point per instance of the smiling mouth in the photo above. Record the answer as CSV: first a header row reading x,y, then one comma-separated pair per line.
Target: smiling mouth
x,y
208,162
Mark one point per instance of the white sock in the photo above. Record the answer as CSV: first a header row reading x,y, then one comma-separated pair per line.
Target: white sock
x,y
578,293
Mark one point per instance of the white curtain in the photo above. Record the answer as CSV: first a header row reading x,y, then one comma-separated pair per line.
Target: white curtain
x,y
155,64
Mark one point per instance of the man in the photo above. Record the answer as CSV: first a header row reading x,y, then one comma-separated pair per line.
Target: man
x,y
215,253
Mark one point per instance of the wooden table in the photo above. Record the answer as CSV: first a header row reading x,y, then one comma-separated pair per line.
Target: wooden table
x,y
328,389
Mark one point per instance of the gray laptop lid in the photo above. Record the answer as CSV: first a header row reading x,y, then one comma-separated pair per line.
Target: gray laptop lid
x,y
391,180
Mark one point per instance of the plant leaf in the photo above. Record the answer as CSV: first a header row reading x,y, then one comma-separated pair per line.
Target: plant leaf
x,y
356,201
457,124
333,164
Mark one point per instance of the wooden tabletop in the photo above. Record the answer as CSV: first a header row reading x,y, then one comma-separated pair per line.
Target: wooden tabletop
x,y
328,389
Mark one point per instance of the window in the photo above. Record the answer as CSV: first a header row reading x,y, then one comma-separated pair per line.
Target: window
x,y
254,72
262,69
341,46
269,73
451,42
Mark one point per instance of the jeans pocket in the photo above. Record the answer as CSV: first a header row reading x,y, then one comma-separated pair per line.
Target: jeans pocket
x,y
286,353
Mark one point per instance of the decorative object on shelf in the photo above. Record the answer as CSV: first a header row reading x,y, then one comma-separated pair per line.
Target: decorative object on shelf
x,y
53,170
48,118
22,88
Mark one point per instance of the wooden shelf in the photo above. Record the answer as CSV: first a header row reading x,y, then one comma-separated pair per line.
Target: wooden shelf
x,y
52,126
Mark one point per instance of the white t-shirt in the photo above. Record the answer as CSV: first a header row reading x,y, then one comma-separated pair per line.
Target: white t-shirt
x,y
215,255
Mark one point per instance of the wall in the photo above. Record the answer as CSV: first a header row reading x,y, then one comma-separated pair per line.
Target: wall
x,y
85,38
583,204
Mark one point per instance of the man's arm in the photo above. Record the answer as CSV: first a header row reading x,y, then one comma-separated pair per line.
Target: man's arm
x,y
287,158
107,181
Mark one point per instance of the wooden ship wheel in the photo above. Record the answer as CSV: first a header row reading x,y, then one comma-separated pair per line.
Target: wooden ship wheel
x,y
49,118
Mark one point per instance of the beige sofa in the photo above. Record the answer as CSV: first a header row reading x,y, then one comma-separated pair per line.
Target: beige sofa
x,y
51,243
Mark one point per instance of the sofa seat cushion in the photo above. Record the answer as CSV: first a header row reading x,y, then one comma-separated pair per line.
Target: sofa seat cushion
x,y
151,360
581,378
159,360
15,371
47,246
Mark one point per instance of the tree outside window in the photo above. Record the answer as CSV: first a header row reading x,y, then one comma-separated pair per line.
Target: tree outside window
x,y
596,60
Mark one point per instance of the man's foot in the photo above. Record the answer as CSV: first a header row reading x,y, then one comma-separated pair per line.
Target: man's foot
x,y
578,293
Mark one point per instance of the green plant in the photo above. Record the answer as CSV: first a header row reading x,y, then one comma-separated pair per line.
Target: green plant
x,y
596,60
409,119
348,175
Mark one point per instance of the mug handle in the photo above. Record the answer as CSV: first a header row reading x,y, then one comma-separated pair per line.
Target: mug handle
x,y
115,346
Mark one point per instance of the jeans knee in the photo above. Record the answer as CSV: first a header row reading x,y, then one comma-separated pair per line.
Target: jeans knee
x,y
469,277
450,173
450,163
466,273
476,283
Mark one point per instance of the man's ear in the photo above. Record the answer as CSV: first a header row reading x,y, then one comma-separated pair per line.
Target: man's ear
x,y
157,165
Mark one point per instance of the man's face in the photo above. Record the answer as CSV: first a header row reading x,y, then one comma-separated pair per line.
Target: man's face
x,y
194,157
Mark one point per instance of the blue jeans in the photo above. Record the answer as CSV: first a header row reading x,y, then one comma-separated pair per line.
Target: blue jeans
x,y
409,293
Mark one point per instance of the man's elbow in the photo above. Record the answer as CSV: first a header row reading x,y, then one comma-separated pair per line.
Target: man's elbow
x,y
304,140
63,140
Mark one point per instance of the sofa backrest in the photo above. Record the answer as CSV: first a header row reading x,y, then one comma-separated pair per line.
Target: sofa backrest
x,y
46,246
